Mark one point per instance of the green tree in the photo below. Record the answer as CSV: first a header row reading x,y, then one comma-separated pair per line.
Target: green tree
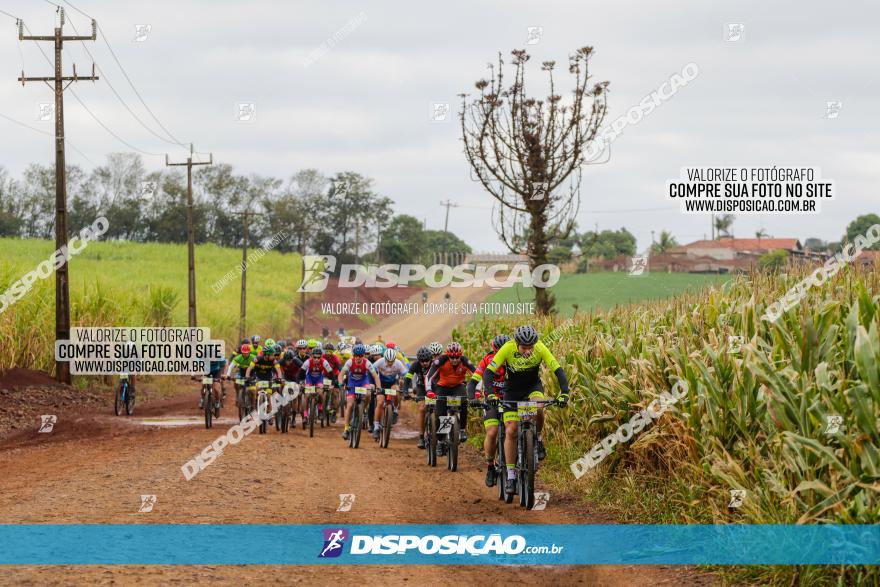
x,y
773,261
665,242
724,225
860,226
608,244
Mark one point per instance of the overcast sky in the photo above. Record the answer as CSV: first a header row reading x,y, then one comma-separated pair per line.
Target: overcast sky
x,y
365,104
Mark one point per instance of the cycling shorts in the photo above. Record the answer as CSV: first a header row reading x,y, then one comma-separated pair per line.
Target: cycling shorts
x,y
349,389
521,393
314,379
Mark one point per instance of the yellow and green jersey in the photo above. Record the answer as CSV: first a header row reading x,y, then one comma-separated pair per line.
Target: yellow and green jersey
x,y
521,369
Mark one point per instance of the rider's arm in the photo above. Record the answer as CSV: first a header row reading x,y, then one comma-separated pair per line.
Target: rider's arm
x,y
344,370
278,371
553,365
249,369
433,371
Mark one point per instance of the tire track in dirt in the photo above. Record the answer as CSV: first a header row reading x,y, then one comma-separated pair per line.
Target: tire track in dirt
x,y
100,478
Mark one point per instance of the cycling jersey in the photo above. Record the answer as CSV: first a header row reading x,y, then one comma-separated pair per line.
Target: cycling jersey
x,y
357,369
291,365
416,376
389,372
241,362
499,382
316,369
263,367
446,374
521,370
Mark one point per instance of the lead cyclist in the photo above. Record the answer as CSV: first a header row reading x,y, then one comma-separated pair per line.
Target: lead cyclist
x,y
522,358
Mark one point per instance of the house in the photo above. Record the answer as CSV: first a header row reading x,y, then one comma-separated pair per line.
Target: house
x,y
730,249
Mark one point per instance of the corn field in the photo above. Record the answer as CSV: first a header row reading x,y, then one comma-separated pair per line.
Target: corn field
x,y
792,416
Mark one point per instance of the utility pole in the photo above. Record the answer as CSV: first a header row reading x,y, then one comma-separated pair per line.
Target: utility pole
x,y
62,291
190,233
713,225
449,204
242,317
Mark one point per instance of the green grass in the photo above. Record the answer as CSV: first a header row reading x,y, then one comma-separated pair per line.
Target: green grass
x,y
121,283
592,291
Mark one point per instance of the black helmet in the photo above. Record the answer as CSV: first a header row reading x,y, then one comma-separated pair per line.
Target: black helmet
x,y
424,354
525,335
244,341
499,341
329,347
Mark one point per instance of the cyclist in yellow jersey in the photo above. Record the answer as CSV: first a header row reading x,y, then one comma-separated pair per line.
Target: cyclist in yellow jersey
x,y
522,358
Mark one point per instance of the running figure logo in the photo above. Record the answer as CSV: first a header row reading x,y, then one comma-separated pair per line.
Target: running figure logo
x,y
346,500
317,272
639,264
147,503
47,423
334,539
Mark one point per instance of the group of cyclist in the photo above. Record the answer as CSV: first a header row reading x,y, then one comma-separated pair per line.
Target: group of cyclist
x,y
509,372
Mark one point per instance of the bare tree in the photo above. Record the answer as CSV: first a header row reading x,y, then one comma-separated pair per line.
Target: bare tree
x,y
528,153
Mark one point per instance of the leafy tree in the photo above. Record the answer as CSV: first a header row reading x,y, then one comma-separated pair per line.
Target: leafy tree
x,y
559,255
665,242
774,260
815,244
608,244
723,225
860,226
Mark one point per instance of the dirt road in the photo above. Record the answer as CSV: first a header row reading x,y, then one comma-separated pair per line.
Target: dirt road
x,y
94,470
413,331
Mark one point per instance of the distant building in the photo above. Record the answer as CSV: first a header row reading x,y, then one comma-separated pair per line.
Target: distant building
x,y
487,259
729,248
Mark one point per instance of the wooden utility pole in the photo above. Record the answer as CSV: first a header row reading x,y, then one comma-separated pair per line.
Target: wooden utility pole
x,y
190,233
62,291
449,204
242,318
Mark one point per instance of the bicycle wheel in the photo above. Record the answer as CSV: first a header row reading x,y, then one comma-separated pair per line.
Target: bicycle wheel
x,y
522,464
325,408
499,459
355,426
313,409
117,401
529,472
285,419
432,438
452,456
130,396
217,408
262,409
356,432
386,425
207,399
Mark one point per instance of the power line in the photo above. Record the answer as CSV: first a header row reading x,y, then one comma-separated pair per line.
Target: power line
x,y
174,140
92,114
121,100
41,131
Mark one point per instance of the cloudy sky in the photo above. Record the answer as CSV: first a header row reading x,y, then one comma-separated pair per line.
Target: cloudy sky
x,y
365,104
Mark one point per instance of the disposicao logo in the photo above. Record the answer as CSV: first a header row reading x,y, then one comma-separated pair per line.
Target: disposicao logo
x,y
334,540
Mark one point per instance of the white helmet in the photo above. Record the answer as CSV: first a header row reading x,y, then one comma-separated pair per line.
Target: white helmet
x,y
375,349
390,355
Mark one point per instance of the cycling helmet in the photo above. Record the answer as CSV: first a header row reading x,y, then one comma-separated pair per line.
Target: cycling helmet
x,y
289,355
255,339
436,348
245,349
391,345
329,347
301,343
453,349
375,349
317,352
525,335
390,355
359,350
424,354
282,343
499,341
270,342
244,341
312,343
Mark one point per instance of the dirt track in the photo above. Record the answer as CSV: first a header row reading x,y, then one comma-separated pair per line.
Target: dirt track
x,y
94,470
412,331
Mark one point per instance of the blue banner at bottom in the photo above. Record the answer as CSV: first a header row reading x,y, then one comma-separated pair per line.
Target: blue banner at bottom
x,y
547,544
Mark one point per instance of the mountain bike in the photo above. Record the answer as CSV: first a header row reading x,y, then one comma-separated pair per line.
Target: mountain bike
x,y
431,429
327,404
241,399
281,413
500,467
312,393
212,406
358,416
263,405
124,396
386,421
526,456
291,391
